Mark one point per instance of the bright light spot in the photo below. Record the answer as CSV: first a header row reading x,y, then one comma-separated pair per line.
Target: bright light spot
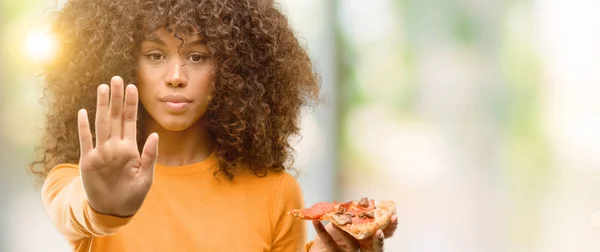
x,y
367,21
595,219
40,45
409,150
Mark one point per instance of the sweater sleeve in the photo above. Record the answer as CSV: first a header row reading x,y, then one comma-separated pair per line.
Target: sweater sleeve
x,y
289,233
65,203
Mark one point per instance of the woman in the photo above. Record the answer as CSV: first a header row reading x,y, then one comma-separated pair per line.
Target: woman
x,y
200,164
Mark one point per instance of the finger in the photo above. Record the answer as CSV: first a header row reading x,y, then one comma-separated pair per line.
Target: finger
x,y
378,239
130,114
391,228
326,238
149,156
102,120
116,107
85,136
349,240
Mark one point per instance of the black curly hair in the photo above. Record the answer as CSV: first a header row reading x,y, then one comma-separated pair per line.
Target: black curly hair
x,y
262,78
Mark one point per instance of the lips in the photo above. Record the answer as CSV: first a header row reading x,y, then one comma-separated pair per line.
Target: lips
x,y
175,99
176,103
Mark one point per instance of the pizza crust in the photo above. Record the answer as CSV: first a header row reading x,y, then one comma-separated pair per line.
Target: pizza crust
x,y
298,214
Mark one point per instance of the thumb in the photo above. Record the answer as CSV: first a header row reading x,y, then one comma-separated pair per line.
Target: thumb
x,y
149,155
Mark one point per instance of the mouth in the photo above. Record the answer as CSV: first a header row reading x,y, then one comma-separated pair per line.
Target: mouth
x,y
177,106
176,103
175,98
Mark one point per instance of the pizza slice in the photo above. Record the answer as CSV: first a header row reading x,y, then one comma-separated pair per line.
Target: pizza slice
x,y
360,218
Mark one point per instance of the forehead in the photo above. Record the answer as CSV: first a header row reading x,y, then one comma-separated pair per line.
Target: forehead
x,y
161,35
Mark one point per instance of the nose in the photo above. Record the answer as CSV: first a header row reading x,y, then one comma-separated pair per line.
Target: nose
x,y
176,76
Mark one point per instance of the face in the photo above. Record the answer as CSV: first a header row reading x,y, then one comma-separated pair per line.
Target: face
x,y
174,81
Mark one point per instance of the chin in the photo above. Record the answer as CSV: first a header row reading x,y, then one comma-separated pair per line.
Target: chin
x,y
176,124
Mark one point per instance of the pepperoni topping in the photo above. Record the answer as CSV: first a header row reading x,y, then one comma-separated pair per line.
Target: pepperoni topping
x,y
355,210
358,209
317,210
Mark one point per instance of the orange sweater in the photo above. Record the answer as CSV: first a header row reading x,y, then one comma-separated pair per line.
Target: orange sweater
x,y
187,209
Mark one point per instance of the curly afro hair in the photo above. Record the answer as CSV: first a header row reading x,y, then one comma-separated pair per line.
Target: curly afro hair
x,y
262,78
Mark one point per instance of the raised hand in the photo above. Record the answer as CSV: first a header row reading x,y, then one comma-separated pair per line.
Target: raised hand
x,y
116,178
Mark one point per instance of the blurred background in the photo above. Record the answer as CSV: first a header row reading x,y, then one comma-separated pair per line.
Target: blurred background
x,y
479,118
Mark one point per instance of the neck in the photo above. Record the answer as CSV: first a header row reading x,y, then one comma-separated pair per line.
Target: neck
x,y
177,148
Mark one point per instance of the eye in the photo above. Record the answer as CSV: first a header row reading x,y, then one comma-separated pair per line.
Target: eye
x,y
197,58
155,56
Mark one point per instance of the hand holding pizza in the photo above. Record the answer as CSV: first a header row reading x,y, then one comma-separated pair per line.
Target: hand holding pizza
x,y
353,225
333,238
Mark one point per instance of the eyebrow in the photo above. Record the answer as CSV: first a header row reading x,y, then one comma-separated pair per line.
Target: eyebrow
x,y
157,41
161,42
196,42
